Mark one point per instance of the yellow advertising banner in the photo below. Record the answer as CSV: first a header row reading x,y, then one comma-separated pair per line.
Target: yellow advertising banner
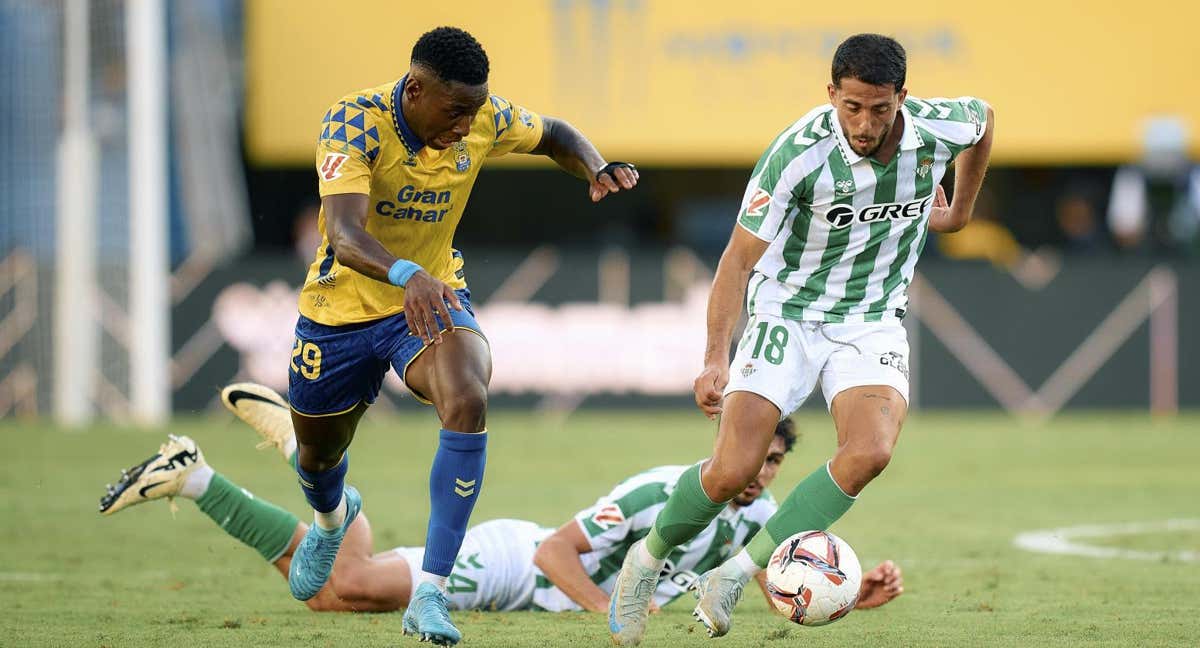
x,y
705,82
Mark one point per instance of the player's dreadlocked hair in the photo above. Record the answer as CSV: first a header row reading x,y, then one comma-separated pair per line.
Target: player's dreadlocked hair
x,y
870,58
786,430
453,55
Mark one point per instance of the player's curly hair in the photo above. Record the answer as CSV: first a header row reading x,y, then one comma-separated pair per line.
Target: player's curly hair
x,y
453,55
870,58
786,430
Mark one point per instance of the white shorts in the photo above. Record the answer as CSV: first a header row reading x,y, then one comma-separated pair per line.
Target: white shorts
x,y
782,360
494,570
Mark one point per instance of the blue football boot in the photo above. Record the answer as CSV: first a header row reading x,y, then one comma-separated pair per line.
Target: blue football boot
x,y
313,560
428,618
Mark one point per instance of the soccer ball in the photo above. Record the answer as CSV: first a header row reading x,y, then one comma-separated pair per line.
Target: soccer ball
x,y
813,578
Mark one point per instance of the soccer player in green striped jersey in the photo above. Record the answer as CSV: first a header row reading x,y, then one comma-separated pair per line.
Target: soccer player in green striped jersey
x,y
832,222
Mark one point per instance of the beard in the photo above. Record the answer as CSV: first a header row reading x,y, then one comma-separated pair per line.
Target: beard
x,y
875,148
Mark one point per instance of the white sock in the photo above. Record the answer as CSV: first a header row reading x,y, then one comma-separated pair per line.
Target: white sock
x,y
438,581
643,557
742,565
333,519
197,482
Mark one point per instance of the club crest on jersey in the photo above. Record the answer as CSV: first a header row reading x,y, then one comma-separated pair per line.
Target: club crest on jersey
x,y
462,161
840,216
924,167
331,166
758,202
525,118
609,516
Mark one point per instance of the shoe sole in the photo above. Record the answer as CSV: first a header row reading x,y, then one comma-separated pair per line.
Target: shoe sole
x,y
438,640
435,639
703,619
240,400
128,479
230,397
111,503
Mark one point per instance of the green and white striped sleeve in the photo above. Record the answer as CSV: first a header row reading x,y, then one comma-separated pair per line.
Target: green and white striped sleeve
x,y
629,509
777,181
959,123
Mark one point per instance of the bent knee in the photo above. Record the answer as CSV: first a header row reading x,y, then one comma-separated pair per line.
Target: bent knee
x,y
466,410
868,461
722,480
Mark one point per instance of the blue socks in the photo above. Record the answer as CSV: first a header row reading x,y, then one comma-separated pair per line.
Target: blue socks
x,y
323,490
454,483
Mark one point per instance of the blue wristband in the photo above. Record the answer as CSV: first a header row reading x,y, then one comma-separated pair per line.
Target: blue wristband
x,y
401,271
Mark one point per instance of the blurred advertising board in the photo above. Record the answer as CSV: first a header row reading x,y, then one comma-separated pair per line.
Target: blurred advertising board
x,y
677,82
631,327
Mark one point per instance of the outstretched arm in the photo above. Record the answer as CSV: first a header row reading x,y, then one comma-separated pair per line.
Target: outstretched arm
x,y
568,147
558,558
969,169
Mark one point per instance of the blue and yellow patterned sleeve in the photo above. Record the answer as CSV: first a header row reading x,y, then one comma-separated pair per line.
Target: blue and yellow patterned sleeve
x,y
346,149
517,129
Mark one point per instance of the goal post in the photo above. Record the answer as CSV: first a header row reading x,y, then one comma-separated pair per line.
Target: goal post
x,y
149,268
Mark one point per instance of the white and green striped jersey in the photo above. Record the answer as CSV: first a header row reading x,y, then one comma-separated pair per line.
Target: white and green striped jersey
x,y
626,515
845,231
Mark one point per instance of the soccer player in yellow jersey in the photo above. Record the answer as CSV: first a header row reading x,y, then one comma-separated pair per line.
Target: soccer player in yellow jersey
x,y
396,164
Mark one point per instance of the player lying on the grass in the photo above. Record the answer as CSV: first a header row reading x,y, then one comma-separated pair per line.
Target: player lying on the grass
x,y
503,565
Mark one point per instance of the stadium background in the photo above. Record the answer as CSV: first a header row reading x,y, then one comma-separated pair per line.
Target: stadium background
x,y
153,235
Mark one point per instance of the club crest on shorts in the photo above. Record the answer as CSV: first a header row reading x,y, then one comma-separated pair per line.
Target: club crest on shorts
x,y
462,161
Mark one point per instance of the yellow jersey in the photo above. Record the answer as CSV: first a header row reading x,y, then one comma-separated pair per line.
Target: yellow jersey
x,y
416,194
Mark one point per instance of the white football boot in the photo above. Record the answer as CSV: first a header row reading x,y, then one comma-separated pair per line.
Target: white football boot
x,y
264,410
629,604
717,592
162,475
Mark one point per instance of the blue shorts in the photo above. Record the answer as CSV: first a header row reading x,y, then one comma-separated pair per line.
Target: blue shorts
x,y
334,368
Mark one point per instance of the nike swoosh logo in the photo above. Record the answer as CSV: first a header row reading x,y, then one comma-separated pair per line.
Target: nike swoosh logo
x,y
143,489
237,395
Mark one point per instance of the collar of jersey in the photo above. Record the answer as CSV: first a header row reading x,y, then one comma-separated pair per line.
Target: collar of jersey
x,y
407,136
909,141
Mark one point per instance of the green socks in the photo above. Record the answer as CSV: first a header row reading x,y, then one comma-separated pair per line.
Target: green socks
x,y
686,513
259,524
815,503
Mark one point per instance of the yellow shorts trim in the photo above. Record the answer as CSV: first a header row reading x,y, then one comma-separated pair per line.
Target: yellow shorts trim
x,y
345,411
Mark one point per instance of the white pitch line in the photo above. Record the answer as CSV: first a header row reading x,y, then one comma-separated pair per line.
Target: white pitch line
x,y
28,577
1060,541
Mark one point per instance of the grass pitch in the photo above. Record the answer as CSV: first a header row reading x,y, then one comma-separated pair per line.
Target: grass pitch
x,y
960,487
